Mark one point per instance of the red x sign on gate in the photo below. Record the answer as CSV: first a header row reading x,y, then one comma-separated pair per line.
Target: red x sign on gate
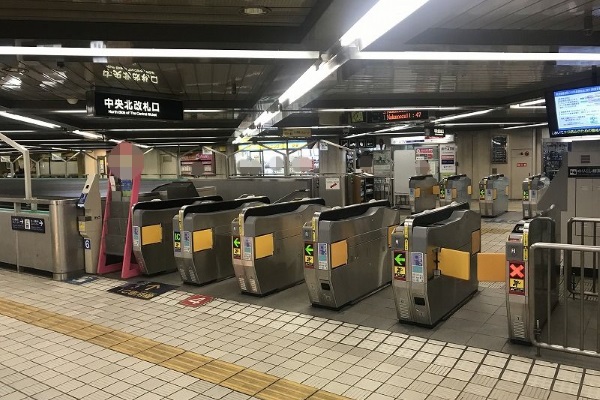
x,y
517,271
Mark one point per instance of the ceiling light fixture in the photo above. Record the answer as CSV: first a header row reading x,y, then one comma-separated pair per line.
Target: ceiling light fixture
x,y
70,111
411,108
311,78
472,56
156,53
255,11
28,120
526,126
465,115
204,111
382,17
89,135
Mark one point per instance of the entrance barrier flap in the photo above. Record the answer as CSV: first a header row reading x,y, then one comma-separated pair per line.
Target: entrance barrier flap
x,y
491,267
454,263
264,246
476,241
203,240
339,254
151,234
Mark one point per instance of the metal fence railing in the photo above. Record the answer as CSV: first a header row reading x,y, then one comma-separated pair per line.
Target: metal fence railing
x,y
571,323
584,232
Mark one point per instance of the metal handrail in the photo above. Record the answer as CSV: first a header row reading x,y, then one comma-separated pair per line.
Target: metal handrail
x,y
569,276
534,328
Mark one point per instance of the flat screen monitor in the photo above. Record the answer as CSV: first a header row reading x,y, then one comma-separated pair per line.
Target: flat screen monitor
x,y
574,112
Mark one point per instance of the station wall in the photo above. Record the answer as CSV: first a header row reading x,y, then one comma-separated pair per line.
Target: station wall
x,y
524,156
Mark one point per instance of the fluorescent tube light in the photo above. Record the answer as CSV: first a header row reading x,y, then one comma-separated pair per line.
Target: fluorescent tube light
x,y
115,141
204,111
520,107
472,56
156,53
382,17
311,78
480,124
167,129
532,102
465,115
526,126
411,108
89,135
28,120
70,111
265,117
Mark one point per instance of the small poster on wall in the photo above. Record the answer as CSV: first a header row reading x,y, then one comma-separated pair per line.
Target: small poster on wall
x,y
499,150
447,160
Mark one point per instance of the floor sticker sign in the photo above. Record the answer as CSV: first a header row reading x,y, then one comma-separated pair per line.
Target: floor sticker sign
x,y
82,280
143,290
196,300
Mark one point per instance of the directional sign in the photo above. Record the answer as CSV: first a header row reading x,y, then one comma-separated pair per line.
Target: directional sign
x,y
309,259
177,241
87,244
482,194
28,224
196,300
517,271
142,290
399,265
236,244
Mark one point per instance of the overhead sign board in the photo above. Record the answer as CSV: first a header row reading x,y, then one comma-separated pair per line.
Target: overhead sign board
x,y
297,132
374,117
117,105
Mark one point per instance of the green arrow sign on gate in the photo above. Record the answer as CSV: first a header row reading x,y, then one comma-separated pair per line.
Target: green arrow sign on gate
x,y
236,242
308,249
400,259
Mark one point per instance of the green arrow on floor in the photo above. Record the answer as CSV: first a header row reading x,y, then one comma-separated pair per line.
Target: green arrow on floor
x,y
236,242
309,249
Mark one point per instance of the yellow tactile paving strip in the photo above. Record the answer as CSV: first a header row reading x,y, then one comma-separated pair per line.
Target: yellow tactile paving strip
x,y
235,377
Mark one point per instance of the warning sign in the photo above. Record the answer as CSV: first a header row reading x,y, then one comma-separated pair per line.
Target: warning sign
x,y
309,258
517,286
399,265
516,270
143,290
236,244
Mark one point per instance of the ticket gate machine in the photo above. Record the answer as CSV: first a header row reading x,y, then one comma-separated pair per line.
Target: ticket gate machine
x,y
455,188
271,245
534,188
525,234
202,236
423,192
152,225
435,263
347,252
493,195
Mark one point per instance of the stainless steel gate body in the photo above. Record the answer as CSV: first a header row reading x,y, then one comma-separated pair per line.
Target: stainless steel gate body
x,y
271,245
347,255
203,253
152,225
435,263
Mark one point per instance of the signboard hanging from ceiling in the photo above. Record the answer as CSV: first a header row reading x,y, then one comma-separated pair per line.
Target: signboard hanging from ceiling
x,y
374,117
119,105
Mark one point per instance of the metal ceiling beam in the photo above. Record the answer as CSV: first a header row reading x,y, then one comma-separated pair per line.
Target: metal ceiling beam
x,y
500,37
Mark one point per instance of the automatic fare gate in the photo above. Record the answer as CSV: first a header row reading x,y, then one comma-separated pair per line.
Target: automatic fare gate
x,y
204,232
152,228
435,263
347,252
270,238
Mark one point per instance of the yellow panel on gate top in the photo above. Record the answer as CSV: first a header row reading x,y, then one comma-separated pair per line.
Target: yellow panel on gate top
x,y
436,189
263,246
203,240
495,194
469,190
151,234
491,267
454,263
417,193
453,193
339,254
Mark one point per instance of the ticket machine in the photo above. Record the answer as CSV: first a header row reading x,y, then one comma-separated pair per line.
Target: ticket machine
x,y
90,222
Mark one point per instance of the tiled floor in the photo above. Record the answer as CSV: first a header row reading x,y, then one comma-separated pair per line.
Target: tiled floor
x,y
342,358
